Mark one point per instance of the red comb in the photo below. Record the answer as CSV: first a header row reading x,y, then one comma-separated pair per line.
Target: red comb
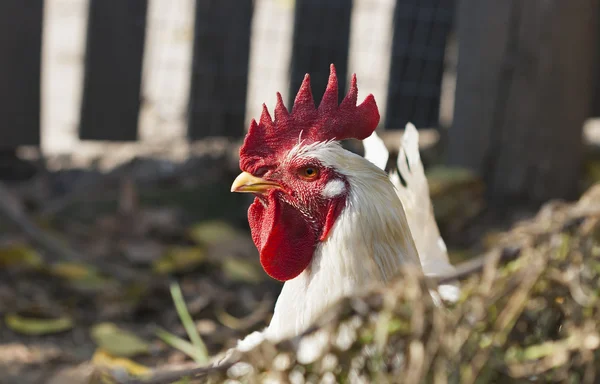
x,y
269,138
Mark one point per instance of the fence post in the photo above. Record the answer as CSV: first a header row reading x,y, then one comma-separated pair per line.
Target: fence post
x,y
595,111
421,30
113,70
524,88
321,37
20,68
220,61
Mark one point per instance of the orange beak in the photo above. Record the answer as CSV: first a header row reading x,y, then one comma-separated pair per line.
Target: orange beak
x,y
246,183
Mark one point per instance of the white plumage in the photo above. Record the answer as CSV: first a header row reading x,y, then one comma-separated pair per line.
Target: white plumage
x,y
417,204
384,226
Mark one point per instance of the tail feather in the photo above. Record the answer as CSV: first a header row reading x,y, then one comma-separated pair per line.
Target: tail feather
x,y
413,190
375,151
417,205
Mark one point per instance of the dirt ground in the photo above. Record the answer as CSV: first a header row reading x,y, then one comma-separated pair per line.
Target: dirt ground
x,y
88,256
85,248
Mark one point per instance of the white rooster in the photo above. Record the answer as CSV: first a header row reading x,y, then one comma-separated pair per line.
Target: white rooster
x,y
326,221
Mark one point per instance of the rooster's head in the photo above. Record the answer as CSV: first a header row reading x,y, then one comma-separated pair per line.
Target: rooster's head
x,y
297,175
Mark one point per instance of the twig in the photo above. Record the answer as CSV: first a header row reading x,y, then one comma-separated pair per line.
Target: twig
x,y
173,376
244,323
468,268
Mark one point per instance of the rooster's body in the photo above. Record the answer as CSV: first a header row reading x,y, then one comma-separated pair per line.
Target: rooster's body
x,y
327,221
367,244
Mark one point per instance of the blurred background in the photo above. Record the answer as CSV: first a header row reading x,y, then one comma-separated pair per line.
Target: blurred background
x,y
120,123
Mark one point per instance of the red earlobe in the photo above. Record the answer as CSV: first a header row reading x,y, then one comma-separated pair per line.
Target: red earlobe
x,y
333,211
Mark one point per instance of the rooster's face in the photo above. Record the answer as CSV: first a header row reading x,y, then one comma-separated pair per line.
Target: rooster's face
x,y
296,205
289,165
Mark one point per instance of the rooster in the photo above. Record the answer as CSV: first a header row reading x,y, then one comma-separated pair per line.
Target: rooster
x,y
326,221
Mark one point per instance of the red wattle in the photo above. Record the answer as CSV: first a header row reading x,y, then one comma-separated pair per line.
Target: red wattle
x,y
283,236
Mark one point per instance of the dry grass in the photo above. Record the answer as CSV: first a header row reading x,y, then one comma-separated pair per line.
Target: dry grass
x,y
532,319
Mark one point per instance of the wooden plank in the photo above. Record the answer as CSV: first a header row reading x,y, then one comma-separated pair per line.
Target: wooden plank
x,y
483,35
220,68
113,70
321,37
421,28
20,68
524,89
596,103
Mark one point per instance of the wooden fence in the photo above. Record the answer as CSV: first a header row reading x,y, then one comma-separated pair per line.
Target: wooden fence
x,y
110,105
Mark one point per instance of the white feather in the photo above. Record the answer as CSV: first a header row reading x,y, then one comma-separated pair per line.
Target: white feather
x,y
375,151
417,205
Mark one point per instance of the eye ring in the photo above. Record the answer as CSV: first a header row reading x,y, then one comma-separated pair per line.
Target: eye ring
x,y
308,172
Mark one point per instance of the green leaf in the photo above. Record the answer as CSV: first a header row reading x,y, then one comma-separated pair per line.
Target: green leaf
x,y
212,232
179,259
81,275
117,341
242,271
35,327
20,255
103,358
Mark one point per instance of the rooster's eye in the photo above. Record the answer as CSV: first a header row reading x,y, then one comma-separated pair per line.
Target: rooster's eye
x,y
308,173
260,172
